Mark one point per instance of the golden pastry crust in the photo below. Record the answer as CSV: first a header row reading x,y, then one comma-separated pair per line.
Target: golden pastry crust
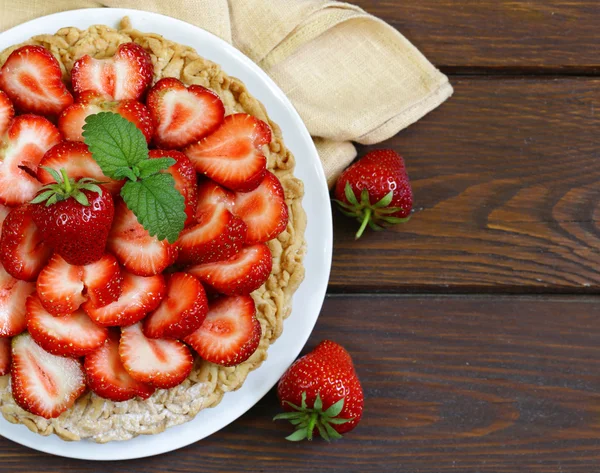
x,y
102,420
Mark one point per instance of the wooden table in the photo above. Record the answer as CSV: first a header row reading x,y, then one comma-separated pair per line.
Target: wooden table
x,y
475,328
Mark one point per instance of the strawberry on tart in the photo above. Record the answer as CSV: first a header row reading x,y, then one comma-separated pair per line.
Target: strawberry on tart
x,y
152,233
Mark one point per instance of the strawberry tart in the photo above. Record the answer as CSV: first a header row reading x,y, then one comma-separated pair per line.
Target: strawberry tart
x,y
152,233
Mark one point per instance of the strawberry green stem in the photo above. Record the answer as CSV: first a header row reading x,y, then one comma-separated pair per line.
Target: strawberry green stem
x,y
365,222
65,177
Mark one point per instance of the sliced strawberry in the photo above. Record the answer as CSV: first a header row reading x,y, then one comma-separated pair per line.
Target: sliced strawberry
x,y
12,309
22,249
125,76
4,356
7,112
185,179
107,377
60,286
71,121
231,332
161,363
133,246
242,274
75,158
4,210
71,335
32,78
182,310
263,210
44,384
211,194
232,156
140,296
103,281
183,115
22,148
217,236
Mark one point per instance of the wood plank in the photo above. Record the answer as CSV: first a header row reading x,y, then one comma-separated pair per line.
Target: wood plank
x,y
556,35
506,179
480,384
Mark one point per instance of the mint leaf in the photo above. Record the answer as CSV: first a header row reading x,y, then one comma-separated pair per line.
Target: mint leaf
x,y
114,141
158,206
124,173
152,166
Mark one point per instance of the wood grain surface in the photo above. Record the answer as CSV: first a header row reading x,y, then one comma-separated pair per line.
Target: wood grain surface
x,y
452,384
483,36
505,176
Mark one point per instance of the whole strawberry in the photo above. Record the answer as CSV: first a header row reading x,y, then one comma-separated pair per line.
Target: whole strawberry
x,y
375,190
74,217
322,392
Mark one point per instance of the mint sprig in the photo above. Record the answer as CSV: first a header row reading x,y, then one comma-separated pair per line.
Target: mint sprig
x,y
121,151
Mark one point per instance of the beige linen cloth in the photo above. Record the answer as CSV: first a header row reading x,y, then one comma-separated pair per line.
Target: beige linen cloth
x,y
351,76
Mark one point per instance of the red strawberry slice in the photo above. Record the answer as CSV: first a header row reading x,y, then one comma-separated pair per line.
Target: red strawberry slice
x,y
75,158
242,274
232,156
217,236
4,356
71,121
185,179
12,309
263,210
231,332
7,112
162,363
44,384
103,281
133,246
125,76
183,114
107,377
140,296
4,210
32,78
60,286
23,252
71,335
182,310
211,194
22,148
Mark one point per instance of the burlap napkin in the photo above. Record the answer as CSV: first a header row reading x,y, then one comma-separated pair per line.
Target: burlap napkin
x,y
351,76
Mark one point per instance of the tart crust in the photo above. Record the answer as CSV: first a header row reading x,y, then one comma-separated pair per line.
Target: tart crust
x,y
101,420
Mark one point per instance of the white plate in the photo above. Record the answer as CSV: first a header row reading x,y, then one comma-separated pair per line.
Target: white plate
x,y
307,300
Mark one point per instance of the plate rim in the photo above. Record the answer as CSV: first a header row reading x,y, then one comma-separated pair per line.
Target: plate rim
x,y
322,253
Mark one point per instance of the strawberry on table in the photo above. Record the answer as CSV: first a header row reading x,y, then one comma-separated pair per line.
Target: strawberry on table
x,y
12,310
59,286
233,155
23,252
5,357
231,332
322,393
263,210
135,249
7,112
42,383
32,78
161,363
72,120
72,335
74,217
242,274
125,76
182,311
22,148
376,191
140,295
183,114
75,158
107,377
185,179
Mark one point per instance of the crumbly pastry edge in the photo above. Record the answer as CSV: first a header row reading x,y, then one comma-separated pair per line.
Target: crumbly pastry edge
x,y
101,420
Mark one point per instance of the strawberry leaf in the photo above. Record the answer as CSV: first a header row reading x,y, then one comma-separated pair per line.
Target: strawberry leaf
x,y
335,409
158,206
